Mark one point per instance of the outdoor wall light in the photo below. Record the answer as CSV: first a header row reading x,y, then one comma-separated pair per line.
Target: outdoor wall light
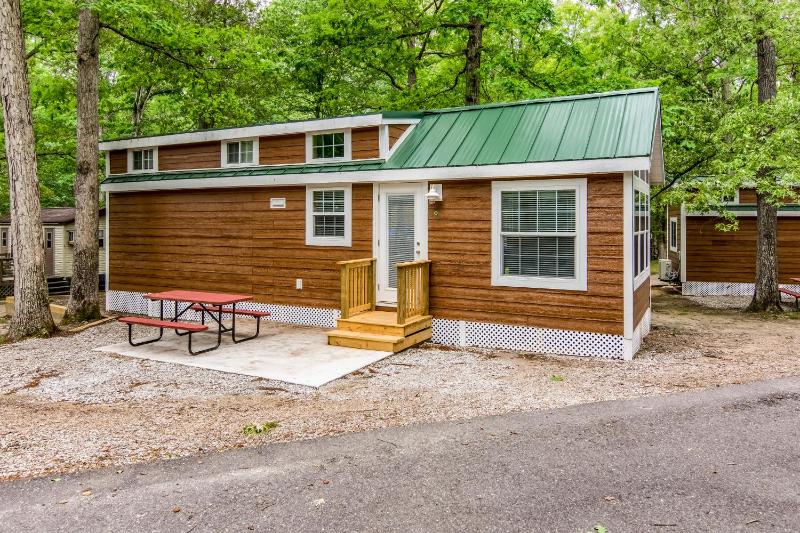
x,y
435,193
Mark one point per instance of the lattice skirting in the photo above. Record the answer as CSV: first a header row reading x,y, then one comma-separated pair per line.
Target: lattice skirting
x,y
555,341
720,288
458,333
136,303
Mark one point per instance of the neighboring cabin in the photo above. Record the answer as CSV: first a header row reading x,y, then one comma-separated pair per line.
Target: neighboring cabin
x,y
538,238
58,226
711,262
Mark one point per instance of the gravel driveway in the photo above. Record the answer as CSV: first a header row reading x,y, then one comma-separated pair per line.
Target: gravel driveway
x,y
65,407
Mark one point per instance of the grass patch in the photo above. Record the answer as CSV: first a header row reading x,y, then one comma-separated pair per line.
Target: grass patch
x,y
258,429
556,377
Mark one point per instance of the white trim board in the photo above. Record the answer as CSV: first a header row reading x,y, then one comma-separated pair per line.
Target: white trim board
x,y
521,170
263,130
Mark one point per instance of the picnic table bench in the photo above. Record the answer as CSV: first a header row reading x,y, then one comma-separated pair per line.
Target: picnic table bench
x,y
790,292
208,303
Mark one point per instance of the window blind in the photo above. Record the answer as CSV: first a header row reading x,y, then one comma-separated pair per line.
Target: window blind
x,y
400,232
328,212
538,232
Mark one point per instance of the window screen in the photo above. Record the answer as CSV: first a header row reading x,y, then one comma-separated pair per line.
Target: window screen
x,y
641,232
538,233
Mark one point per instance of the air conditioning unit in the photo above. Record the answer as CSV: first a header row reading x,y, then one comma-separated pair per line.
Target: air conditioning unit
x,y
665,269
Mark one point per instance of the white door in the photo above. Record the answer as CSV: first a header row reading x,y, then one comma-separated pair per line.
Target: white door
x,y
402,233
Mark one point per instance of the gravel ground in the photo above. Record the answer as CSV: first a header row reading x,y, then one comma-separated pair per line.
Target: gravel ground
x,y
65,407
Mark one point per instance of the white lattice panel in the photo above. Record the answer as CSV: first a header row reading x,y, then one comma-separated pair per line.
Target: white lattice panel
x,y
719,288
544,340
135,303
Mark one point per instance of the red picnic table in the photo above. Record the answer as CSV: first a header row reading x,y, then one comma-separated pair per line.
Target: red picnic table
x,y
206,303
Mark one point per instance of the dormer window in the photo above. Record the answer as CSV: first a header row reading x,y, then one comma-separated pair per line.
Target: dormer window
x,y
142,160
328,146
240,153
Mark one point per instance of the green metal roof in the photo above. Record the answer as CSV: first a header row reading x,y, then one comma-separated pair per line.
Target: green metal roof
x,y
596,126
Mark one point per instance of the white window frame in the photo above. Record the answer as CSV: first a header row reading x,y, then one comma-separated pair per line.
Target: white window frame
x,y
4,238
644,275
672,234
101,236
346,240
348,146
145,170
224,152
579,282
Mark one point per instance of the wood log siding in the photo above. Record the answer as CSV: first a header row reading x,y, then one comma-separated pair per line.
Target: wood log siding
x,y
395,131
459,247
641,302
118,161
712,255
229,240
282,149
365,143
189,156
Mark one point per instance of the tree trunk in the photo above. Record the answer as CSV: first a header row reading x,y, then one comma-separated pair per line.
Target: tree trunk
x,y
766,296
31,306
83,302
473,61
411,76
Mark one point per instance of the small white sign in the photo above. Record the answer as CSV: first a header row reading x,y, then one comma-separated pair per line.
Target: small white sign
x,y
277,203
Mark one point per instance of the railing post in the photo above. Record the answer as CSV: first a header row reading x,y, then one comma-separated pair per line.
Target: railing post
x,y
344,280
371,281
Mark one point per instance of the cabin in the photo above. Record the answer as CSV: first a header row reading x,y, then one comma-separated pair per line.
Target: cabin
x,y
520,225
709,262
58,227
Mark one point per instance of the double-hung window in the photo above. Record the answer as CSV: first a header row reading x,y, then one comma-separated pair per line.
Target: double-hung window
x,y
101,239
239,153
641,234
142,160
328,213
4,238
539,234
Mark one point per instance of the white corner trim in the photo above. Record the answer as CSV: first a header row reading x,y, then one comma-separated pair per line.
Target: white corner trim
x,y
348,147
579,282
346,241
107,238
683,244
521,170
129,157
627,261
223,157
383,141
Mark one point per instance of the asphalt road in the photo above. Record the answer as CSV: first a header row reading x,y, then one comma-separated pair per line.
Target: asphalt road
x,y
720,460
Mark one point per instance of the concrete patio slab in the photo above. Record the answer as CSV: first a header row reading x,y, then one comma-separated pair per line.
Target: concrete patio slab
x,y
284,352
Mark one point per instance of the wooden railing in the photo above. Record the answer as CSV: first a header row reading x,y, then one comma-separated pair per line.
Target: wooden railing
x,y
357,278
413,282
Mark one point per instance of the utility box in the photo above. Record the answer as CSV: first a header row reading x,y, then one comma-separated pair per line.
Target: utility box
x,y
664,269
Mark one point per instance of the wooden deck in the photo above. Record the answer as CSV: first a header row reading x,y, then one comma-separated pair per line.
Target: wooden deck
x,y
380,330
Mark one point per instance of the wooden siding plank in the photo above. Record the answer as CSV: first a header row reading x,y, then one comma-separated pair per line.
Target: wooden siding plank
x,y
189,156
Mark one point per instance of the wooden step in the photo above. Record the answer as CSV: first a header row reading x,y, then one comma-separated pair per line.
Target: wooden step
x,y
372,341
383,323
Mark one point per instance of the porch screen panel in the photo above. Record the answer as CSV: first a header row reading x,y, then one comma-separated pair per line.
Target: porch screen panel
x,y
400,232
538,232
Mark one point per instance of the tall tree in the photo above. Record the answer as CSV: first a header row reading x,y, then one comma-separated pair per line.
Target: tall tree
x,y
766,296
31,307
83,301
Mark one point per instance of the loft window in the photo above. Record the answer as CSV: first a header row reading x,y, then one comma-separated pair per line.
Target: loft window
x,y
235,153
641,235
142,160
673,234
328,212
328,145
539,234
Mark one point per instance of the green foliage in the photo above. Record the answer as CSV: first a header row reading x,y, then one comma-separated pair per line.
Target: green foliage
x,y
176,65
258,429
